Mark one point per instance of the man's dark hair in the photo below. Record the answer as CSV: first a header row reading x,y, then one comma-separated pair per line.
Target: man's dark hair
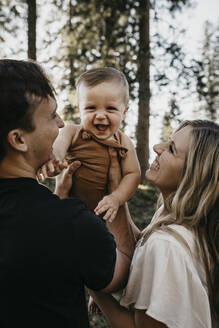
x,y
23,85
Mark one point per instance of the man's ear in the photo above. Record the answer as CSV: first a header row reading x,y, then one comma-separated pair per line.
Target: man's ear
x,y
17,141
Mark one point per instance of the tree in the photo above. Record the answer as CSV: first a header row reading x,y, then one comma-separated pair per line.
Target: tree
x,y
31,22
143,77
169,118
172,55
207,73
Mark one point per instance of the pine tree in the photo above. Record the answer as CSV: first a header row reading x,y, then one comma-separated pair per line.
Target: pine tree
x,y
31,22
207,73
170,117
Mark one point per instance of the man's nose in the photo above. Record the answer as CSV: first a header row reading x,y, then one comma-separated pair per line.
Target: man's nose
x,y
60,122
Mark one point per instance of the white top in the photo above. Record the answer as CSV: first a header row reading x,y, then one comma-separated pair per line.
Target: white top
x,y
168,282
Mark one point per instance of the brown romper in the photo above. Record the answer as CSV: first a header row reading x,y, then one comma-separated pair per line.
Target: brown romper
x,y
91,178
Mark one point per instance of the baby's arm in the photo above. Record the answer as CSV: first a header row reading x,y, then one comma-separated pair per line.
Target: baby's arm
x,y
54,166
130,179
63,141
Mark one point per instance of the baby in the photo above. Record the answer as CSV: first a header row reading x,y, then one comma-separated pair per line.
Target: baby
x,y
102,96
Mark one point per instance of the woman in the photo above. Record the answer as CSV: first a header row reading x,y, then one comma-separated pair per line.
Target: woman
x,y
174,275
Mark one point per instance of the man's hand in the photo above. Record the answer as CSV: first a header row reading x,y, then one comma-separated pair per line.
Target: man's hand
x,y
110,205
64,180
50,169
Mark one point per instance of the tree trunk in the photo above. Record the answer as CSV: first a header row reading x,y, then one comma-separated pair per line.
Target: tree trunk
x,y
143,76
31,22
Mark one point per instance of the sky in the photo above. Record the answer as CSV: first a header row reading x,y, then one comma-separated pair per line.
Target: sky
x,y
194,19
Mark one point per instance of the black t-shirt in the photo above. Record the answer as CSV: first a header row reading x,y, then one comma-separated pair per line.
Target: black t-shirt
x,y
49,249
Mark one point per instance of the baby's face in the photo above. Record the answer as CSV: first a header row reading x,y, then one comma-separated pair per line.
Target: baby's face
x,y
102,108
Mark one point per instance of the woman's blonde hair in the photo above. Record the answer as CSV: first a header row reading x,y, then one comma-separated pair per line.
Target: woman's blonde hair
x,y
195,203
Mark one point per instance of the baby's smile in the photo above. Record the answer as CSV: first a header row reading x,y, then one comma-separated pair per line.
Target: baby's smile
x,y
101,127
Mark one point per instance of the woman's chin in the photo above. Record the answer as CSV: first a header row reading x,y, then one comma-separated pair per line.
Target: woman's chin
x,y
148,176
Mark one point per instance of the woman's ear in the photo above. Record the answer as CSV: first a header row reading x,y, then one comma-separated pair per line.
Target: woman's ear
x,y
17,141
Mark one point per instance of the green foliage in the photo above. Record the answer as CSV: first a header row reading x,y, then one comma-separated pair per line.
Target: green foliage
x,y
170,116
49,183
98,321
142,205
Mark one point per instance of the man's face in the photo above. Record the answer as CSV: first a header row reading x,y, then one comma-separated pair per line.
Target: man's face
x,y
47,124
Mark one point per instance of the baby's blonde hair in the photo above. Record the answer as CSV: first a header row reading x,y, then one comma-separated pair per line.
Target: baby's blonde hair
x,y
96,76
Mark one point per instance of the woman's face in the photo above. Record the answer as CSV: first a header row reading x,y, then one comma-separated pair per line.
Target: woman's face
x,y
166,169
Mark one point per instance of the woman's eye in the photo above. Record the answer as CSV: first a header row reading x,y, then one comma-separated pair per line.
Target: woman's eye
x,y
171,148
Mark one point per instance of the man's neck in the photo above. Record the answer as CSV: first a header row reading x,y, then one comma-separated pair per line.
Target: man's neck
x,y
16,168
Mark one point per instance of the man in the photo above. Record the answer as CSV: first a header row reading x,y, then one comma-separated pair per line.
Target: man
x,y
49,247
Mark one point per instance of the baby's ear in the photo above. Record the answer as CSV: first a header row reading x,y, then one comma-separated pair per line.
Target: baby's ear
x,y
125,111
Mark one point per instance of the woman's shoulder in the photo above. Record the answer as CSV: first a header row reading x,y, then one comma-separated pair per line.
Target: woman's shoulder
x,y
175,236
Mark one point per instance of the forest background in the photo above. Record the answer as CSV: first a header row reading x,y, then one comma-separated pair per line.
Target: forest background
x,y
171,76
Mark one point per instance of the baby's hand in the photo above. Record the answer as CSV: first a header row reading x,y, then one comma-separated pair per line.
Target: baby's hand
x,y
110,205
51,168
